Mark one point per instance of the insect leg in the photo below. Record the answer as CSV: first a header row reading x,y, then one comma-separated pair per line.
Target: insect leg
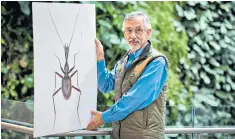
x,y
60,64
74,62
54,106
77,89
78,101
77,76
56,73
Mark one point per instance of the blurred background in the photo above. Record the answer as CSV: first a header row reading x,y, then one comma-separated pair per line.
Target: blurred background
x,y
198,38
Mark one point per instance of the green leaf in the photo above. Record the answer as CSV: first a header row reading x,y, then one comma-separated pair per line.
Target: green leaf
x,y
229,80
4,69
227,24
227,87
231,48
3,41
24,89
179,10
223,44
223,29
231,72
190,14
205,78
109,102
109,53
223,114
124,45
29,81
209,70
192,3
188,117
24,6
216,24
114,39
209,30
182,107
215,45
227,39
214,62
100,6
198,50
110,8
225,7
208,99
223,95
203,4
203,23
105,23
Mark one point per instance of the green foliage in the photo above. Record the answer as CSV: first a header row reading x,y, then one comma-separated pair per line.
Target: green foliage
x,y
17,52
171,42
198,36
165,38
209,70
109,19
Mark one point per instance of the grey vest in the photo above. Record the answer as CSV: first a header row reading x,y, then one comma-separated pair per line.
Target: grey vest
x,y
147,123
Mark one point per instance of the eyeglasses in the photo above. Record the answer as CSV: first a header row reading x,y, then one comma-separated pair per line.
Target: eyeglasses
x,y
137,31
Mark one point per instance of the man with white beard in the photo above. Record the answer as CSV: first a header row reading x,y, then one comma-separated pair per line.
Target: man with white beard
x,y
139,80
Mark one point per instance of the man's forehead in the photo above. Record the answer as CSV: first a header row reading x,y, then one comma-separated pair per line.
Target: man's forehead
x,y
134,22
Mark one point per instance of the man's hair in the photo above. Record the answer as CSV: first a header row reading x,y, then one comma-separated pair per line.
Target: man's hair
x,y
136,14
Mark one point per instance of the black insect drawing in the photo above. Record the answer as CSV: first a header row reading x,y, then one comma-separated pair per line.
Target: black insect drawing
x,y
66,85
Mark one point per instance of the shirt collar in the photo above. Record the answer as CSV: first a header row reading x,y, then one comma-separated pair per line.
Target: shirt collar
x,y
137,52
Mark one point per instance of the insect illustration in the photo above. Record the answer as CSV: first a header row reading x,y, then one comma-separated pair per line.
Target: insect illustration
x,y
66,85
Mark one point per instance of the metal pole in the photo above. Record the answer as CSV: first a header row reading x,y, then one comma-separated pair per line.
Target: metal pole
x,y
198,136
193,116
26,136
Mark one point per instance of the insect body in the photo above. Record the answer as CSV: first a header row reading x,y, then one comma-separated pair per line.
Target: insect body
x,y
66,85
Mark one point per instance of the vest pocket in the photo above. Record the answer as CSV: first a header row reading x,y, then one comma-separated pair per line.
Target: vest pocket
x,y
145,118
115,134
132,79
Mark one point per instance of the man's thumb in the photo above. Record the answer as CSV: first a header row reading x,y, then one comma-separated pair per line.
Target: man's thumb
x,y
93,112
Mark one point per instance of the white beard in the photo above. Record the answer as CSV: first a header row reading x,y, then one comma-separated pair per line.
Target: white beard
x,y
134,48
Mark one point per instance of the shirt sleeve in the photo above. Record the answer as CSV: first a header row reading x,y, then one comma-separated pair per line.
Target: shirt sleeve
x,y
138,97
105,77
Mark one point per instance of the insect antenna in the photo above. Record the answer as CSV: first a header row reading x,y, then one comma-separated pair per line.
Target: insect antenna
x,y
74,58
58,59
55,27
74,28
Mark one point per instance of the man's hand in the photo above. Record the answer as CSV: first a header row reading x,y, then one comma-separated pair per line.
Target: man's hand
x,y
99,50
96,121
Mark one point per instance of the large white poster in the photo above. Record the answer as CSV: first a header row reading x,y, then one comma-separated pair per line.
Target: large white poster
x,y
65,72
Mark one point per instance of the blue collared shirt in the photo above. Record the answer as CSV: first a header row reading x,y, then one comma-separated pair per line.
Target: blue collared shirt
x,y
145,91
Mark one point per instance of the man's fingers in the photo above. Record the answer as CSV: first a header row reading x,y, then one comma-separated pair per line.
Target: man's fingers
x,y
90,126
93,112
97,42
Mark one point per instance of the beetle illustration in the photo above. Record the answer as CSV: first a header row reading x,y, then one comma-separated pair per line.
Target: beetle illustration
x,y
66,85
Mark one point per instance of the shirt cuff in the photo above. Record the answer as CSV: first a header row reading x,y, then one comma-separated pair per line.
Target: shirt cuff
x,y
100,66
105,116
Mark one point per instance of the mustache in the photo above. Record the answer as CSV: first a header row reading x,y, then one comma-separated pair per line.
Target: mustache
x,y
133,41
